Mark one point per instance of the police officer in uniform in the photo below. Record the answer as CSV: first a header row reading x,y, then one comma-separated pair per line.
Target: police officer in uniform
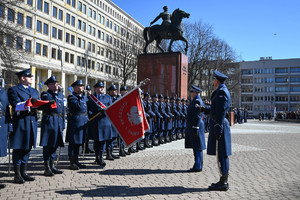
x,y
24,133
5,124
77,123
52,126
99,128
168,120
163,126
220,129
194,133
149,115
88,92
156,120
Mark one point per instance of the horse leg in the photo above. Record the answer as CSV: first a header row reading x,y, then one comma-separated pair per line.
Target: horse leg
x,y
158,41
186,44
170,46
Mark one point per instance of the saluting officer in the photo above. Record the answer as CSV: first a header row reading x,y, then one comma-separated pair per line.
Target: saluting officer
x,y
220,129
52,126
24,125
77,123
194,133
5,124
100,127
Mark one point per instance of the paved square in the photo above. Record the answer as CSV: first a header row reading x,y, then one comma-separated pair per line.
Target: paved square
x,y
265,165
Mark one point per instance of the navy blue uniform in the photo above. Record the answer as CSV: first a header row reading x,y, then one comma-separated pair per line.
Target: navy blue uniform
x,y
5,122
24,124
194,132
77,123
52,125
220,105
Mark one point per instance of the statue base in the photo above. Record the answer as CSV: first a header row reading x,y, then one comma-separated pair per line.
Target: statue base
x,y
168,73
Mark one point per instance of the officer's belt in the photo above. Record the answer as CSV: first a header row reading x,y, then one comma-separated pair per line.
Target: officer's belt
x,y
53,114
74,114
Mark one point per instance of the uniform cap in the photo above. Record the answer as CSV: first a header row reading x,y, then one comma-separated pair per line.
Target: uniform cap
x,y
112,87
123,88
218,75
88,87
99,84
78,82
195,89
161,96
146,94
52,79
25,72
155,95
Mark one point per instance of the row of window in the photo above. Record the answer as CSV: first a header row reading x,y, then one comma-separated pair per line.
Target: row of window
x,y
270,98
270,70
271,80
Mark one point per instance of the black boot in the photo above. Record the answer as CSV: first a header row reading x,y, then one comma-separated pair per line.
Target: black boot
x,y
108,155
161,139
18,178
122,151
127,152
100,160
155,141
73,166
139,146
53,168
76,161
47,171
114,156
131,150
2,186
24,173
222,185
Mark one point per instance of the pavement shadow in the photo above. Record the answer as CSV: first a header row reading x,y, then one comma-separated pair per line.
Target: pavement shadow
x,y
127,191
135,171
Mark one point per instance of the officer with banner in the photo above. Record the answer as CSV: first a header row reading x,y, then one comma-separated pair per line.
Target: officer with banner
x,y
194,133
5,124
52,126
24,133
77,123
100,127
219,138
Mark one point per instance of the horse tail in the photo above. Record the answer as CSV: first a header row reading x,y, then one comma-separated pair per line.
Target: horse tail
x,y
145,33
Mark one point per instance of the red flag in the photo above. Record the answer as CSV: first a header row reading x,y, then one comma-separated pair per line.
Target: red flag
x,y
128,117
22,106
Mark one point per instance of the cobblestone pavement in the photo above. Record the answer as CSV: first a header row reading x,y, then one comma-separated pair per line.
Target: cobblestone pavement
x,y
265,165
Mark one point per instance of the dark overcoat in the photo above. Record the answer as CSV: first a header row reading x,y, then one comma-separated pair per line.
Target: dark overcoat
x,y
99,128
24,122
220,105
194,123
5,122
77,118
53,121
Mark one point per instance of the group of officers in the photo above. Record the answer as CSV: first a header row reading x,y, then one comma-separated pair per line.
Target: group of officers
x,y
169,119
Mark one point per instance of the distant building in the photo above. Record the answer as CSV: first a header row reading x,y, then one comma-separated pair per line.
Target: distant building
x,y
268,83
73,39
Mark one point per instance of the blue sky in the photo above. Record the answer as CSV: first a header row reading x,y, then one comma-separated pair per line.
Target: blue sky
x,y
253,28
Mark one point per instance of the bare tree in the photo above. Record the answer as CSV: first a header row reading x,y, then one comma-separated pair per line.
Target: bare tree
x,y
11,42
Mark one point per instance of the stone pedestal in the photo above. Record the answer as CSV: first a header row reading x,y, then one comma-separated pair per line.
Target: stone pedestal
x,y
168,73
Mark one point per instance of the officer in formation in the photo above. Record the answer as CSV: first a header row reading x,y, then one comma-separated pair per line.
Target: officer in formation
x,y
157,120
195,136
149,115
77,123
52,126
5,124
100,128
219,129
85,145
24,133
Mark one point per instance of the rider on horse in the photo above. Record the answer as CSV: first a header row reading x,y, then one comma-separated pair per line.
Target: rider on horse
x,y
165,16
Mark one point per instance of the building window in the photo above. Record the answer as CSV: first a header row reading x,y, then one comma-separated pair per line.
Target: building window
x,y
69,2
38,49
294,98
281,89
20,19
281,80
78,60
45,31
102,36
73,21
53,53
60,15
93,48
78,42
281,70
68,18
10,15
83,44
295,89
54,34
84,8
72,39
73,3
45,50
59,34
295,79
99,34
39,5
98,50
90,12
258,71
67,57
29,2
94,15
90,29
54,12
107,23
28,45
94,31
295,69
19,43
38,26
67,37
89,46
1,11
79,24
99,18
46,7
269,71
83,26
59,54
269,80
72,58
80,6
102,20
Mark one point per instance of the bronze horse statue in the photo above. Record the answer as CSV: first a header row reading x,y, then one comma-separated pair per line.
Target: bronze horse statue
x,y
174,31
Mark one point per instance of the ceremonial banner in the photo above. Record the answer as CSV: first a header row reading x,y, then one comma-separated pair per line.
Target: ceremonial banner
x,y
128,117
26,105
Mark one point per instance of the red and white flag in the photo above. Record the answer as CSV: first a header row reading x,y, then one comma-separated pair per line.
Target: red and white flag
x,y
27,105
128,117
97,102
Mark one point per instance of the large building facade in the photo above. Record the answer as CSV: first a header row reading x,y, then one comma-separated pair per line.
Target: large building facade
x,y
73,39
268,83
